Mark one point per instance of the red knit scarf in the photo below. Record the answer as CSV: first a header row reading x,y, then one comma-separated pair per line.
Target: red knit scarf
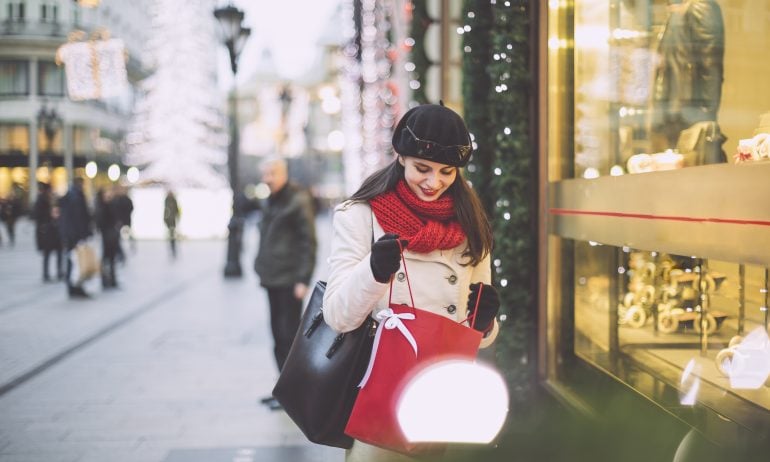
x,y
426,225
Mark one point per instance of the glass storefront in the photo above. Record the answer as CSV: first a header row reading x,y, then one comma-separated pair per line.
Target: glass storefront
x,y
658,135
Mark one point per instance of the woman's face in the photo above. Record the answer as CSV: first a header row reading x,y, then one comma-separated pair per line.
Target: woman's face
x,y
428,179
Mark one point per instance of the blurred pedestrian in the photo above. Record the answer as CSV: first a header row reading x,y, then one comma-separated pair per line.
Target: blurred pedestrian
x,y
286,256
106,217
10,211
75,227
419,204
171,213
46,216
124,207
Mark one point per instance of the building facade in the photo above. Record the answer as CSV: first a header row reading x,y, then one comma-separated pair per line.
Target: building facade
x,y
46,136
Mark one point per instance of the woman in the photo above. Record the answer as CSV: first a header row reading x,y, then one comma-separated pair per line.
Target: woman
x,y
422,203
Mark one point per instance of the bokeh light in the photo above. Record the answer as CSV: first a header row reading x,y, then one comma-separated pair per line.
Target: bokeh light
x,y
429,411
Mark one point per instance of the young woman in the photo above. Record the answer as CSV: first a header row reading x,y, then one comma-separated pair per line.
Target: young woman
x,y
422,203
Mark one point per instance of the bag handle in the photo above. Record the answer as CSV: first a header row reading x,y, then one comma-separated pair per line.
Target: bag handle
x,y
476,309
408,284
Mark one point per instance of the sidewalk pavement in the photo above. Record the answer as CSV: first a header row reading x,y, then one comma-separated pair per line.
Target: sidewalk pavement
x,y
168,368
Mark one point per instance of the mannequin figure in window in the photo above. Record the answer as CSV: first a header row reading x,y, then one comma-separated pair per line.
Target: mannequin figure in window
x,y
689,75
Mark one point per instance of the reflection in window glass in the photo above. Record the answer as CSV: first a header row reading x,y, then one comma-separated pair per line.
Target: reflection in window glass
x,y
665,84
684,318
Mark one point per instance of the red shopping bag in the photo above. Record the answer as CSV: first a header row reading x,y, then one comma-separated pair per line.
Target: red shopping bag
x,y
408,340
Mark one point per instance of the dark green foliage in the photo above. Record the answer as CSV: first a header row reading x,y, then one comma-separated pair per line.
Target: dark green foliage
x,y
499,94
420,23
477,89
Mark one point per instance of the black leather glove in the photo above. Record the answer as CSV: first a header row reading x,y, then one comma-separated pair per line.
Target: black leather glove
x,y
386,257
488,306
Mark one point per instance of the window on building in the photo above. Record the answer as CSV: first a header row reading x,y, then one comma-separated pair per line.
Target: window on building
x,y
16,11
49,12
14,139
50,79
83,140
14,77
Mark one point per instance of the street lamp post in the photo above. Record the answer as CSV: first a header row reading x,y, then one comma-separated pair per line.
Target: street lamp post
x,y
234,37
50,121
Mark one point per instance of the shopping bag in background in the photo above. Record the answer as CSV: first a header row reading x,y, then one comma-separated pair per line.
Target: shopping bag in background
x,y
86,262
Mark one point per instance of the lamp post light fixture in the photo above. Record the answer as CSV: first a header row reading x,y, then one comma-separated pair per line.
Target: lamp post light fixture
x,y
234,36
50,121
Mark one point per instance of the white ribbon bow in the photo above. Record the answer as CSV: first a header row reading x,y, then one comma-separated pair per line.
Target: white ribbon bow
x,y
389,320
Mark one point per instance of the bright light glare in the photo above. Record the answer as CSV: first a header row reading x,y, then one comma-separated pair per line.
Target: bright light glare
x,y
591,173
262,191
331,105
690,383
336,140
91,169
749,366
327,91
132,175
430,411
616,170
113,172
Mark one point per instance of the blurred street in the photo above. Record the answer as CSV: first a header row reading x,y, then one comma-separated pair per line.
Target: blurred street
x,y
169,367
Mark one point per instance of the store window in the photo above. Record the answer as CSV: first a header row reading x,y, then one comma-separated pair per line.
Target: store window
x,y
665,84
700,324
14,139
82,140
50,79
14,77
656,254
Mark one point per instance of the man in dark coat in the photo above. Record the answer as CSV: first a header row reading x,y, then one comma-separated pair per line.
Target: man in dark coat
x,y
46,215
74,226
286,256
107,219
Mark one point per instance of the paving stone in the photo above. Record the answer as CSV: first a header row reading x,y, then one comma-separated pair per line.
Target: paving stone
x,y
172,364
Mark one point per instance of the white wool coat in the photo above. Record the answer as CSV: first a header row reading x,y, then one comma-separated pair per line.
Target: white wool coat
x,y
440,283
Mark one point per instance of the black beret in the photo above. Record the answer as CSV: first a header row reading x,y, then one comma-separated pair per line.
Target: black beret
x,y
433,132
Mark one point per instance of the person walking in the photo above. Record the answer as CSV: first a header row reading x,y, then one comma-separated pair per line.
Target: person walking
x,y
108,222
74,227
286,256
171,214
10,211
422,203
46,216
124,208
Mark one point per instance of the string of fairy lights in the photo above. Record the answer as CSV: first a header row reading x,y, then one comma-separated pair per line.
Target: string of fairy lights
x,y
368,96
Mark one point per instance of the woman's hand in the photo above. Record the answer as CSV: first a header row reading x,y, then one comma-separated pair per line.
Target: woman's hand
x,y
386,256
489,304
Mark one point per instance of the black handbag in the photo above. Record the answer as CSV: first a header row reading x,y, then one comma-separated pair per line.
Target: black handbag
x,y
319,380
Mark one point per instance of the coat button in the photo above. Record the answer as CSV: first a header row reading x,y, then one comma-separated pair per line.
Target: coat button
x,y
451,309
401,276
452,279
